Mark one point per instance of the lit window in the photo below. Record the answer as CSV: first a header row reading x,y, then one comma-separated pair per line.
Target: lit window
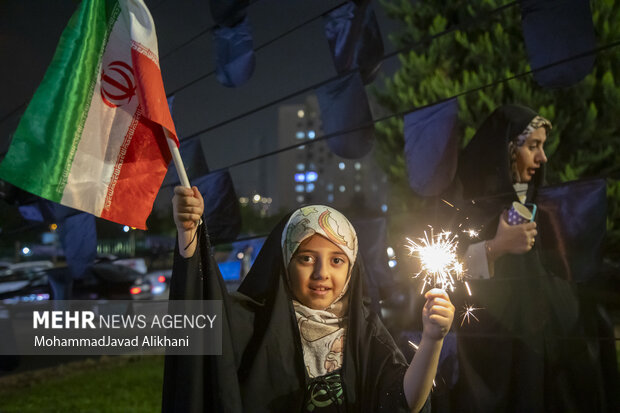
x,y
301,147
311,176
311,134
299,177
358,188
299,188
392,263
330,198
390,252
309,187
342,188
384,208
256,198
301,166
300,198
357,166
341,166
329,187
300,135
300,113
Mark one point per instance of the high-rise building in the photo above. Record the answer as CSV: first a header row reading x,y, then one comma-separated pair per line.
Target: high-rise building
x,y
312,173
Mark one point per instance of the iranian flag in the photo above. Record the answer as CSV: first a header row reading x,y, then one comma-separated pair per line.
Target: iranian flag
x,y
92,137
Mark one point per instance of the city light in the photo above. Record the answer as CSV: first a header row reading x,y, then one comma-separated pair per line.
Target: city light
x,y
53,227
300,135
341,166
300,113
256,198
309,187
311,134
392,263
311,176
390,252
26,251
299,177
126,228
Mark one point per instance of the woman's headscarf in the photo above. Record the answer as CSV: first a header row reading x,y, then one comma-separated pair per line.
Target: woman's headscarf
x,y
322,332
487,164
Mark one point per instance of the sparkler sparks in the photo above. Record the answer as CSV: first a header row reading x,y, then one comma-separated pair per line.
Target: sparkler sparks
x,y
438,259
468,310
472,233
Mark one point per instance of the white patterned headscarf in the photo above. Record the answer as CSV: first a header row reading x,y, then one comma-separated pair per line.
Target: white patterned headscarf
x,y
519,140
322,332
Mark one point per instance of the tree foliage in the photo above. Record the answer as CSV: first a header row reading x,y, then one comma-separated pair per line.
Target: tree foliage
x,y
454,47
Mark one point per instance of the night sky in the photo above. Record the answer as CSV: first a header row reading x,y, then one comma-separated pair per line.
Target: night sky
x,y
31,29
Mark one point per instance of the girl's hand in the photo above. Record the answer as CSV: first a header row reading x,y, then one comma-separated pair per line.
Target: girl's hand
x,y
437,314
187,208
512,239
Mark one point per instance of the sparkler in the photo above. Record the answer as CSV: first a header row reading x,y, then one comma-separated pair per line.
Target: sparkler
x,y
439,264
468,310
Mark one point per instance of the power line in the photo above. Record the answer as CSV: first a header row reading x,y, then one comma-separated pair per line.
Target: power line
x,y
404,112
258,48
341,75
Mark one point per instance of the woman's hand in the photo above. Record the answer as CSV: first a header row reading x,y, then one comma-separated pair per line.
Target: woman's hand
x,y
437,314
187,209
511,239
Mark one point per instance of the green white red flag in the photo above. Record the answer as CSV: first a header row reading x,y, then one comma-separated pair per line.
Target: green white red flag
x,y
91,137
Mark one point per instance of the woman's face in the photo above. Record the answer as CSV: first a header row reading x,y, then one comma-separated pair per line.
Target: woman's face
x,y
318,272
531,155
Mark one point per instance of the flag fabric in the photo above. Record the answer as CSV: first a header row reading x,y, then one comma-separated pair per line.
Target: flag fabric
x,y
555,30
344,106
234,53
354,39
572,219
91,137
431,147
222,212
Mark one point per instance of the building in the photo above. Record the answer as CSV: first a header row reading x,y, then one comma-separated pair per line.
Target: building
x,y
311,173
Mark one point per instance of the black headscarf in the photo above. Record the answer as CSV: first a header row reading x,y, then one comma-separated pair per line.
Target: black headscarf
x,y
265,348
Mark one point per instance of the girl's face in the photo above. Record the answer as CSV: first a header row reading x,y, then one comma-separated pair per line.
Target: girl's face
x,y
318,272
531,155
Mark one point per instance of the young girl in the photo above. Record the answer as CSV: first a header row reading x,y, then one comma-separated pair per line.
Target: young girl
x,y
302,337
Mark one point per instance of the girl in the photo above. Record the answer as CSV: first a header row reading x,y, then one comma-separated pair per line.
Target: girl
x,y
302,337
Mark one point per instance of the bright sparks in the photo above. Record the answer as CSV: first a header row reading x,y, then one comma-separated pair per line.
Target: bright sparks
x,y
438,260
472,233
468,310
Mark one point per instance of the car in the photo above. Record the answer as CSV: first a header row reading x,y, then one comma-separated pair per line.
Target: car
x,y
153,285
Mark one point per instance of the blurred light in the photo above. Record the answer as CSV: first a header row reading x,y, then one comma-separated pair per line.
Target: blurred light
x,y
158,289
357,166
342,188
161,279
240,255
26,251
299,188
135,290
53,227
126,228
244,200
299,177
390,252
392,263
300,198
309,187
311,134
330,187
256,198
358,188
300,113
301,166
330,198
311,176
384,208
300,135
341,165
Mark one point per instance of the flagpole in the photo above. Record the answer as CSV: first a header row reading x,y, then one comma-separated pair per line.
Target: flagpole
x,y
176,157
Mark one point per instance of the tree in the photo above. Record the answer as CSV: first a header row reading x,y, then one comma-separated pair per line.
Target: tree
x,y
486,46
